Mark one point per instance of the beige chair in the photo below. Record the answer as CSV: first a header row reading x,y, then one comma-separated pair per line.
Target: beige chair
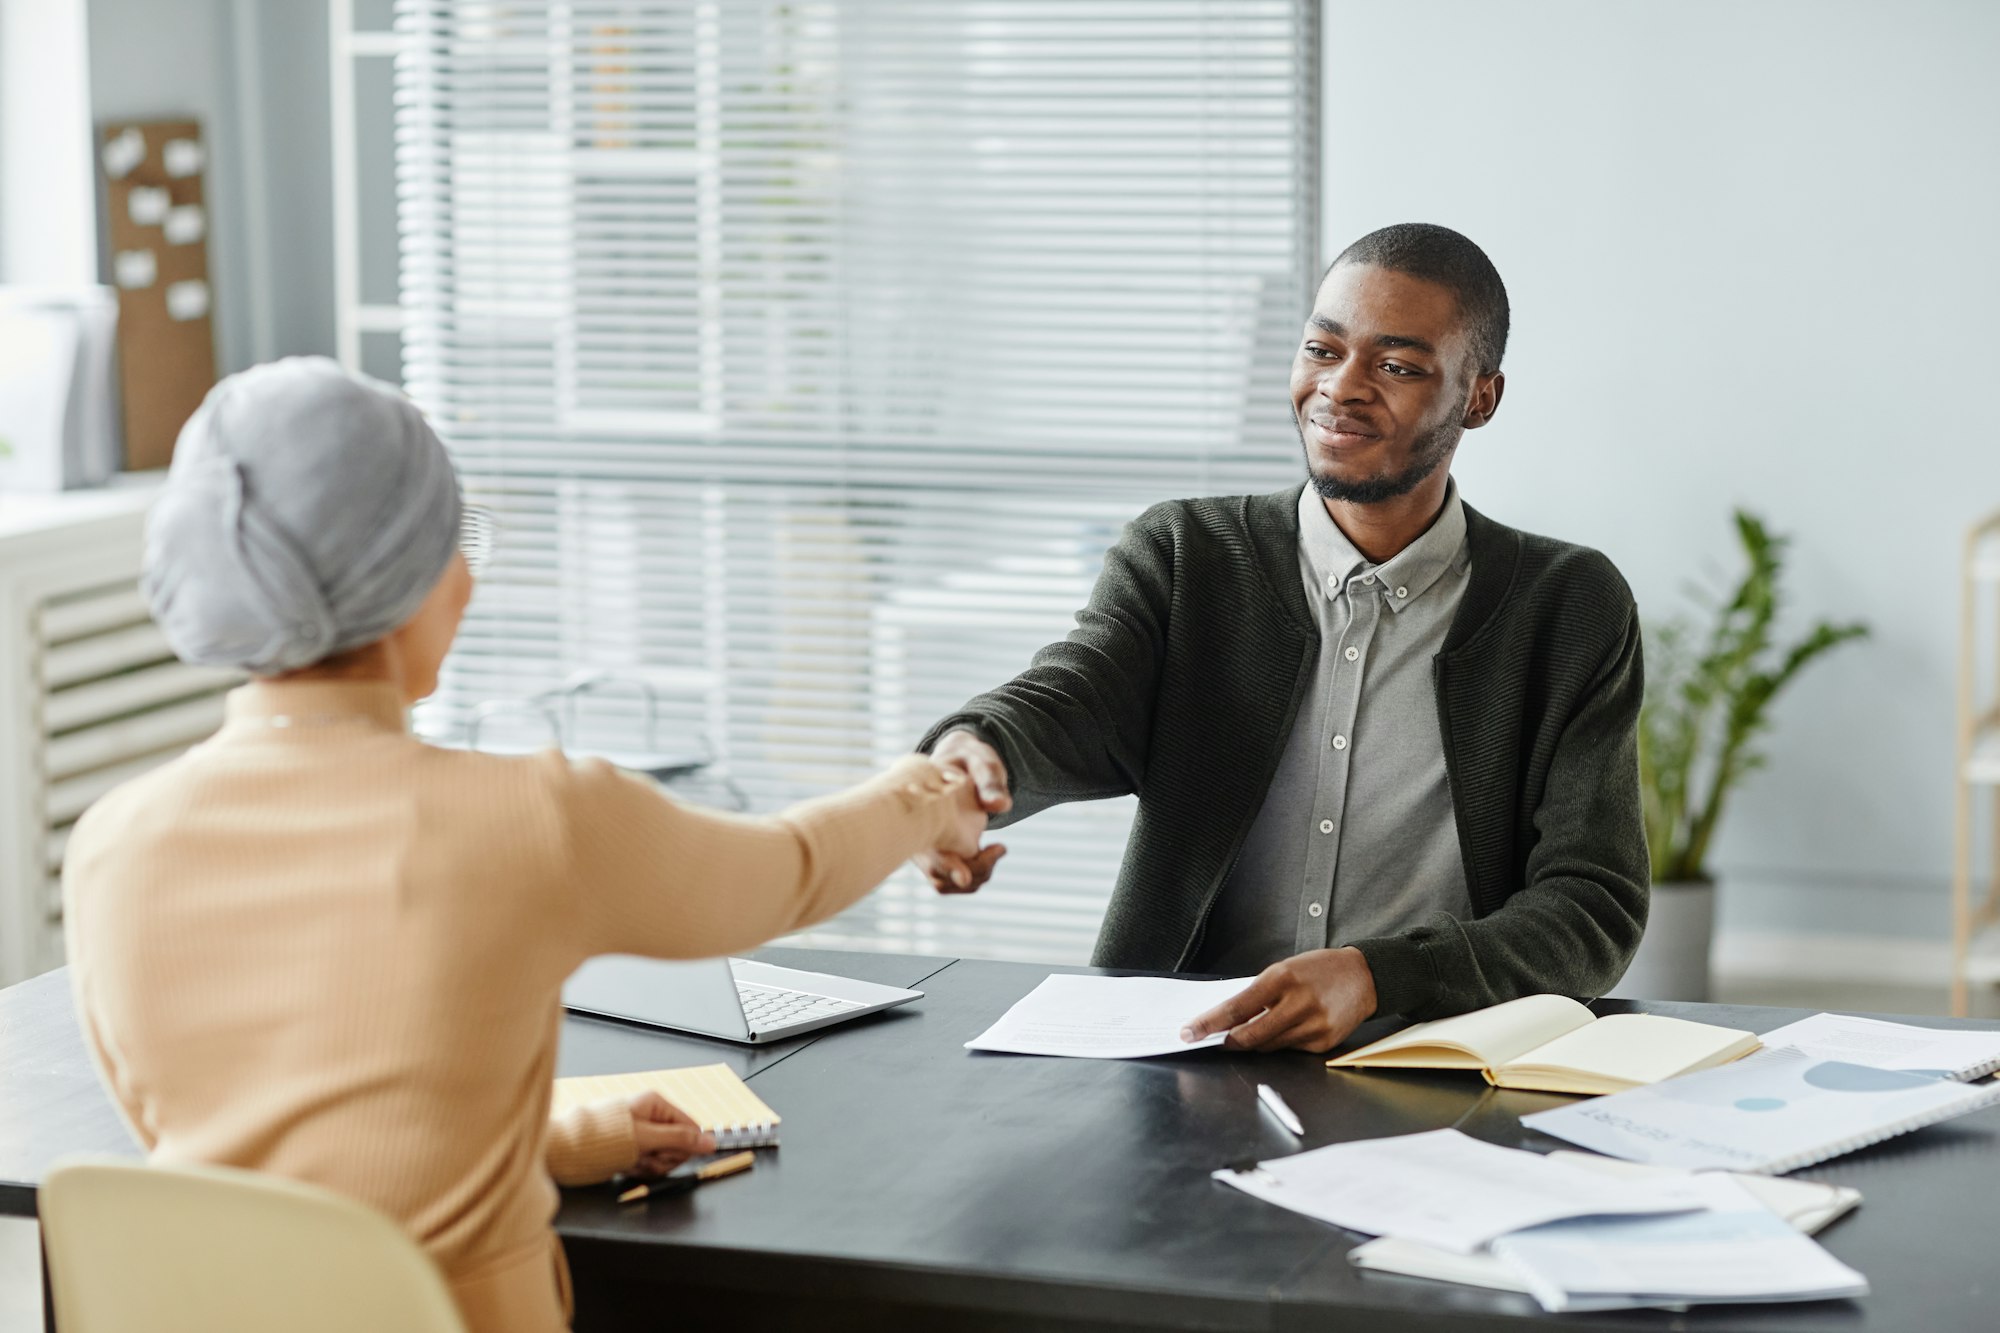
x,y
205,1249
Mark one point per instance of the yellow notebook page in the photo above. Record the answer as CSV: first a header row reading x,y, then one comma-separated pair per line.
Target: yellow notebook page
x,y
1624,1051
712,1095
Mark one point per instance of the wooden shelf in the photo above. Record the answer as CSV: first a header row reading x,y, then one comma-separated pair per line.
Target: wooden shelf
x,y
1982,958
1982,766
1976,929
1984,564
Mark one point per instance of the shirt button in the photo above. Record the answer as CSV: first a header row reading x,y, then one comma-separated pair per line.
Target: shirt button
x,y
1326,826
1340,742
1402,592
1353,653
1367,578
1313,910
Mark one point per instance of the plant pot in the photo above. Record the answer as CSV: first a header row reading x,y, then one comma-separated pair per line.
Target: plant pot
x,y
1672,962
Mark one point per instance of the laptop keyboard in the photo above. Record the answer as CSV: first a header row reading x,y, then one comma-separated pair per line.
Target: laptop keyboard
x,y
769,1007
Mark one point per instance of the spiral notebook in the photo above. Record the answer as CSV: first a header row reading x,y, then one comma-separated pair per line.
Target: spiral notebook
x,y
1959,1053
1774,1112
712,1095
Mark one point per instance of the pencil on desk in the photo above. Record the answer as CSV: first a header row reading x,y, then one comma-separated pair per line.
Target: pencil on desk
x,y
716,1170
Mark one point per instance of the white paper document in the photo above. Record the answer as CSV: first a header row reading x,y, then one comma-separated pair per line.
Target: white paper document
x,y
147,205
1445,1189
135,268
124,152
1945,1052
1106,1018
185,224
183,157
187,300
1805,1205
1773,1112
1734,1250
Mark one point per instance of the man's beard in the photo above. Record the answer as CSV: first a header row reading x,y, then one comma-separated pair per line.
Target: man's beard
x,y
1431,448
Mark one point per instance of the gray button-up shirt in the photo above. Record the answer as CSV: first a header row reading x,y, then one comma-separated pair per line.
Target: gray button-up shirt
x,y
1357,836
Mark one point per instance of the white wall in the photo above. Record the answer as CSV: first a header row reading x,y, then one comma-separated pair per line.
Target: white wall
x,y
1750,247
254,73
154,61
291,46
1751,253
48,210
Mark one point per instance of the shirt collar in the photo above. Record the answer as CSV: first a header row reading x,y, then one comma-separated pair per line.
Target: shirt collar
x,y
306,703
1402,579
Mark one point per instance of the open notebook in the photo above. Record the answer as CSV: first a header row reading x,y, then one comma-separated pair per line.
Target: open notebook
x,y
1549,1043
712,1095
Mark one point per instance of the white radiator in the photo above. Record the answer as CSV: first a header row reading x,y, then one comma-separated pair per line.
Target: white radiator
x,y
90,695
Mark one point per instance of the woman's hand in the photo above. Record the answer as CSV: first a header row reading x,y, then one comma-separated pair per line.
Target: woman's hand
x,y
664,1134
959,865
968,816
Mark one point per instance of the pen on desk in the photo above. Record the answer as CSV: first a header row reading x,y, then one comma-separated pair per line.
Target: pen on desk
x,y
1275,1104
681,1184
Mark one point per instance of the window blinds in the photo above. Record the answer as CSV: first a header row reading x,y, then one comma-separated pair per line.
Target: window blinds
x,y
811,355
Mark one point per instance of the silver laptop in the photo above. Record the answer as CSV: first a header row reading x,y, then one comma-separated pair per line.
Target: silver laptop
x,y
731,998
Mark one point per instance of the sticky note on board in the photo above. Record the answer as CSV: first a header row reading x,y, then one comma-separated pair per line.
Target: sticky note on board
x,y
134,268
147,205
187,300
122,152
183,157
185,225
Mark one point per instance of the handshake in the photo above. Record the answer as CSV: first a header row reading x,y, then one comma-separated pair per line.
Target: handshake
x,y
1307,1002
962,865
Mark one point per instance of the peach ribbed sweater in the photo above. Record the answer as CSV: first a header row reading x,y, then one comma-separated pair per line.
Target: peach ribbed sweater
x,y
316,946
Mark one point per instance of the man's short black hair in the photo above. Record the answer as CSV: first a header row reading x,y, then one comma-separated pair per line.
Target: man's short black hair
x,y
1439,254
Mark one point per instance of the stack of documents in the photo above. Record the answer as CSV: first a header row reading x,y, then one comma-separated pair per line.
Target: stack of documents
x,y
1584,1232
1447,1190
1772,1113
1574,1236
1805,1205
1735,1249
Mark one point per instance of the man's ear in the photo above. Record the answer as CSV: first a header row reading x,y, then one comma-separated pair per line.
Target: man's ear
x,y
1485,399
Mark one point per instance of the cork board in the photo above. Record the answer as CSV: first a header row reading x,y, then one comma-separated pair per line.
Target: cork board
x,y
157,216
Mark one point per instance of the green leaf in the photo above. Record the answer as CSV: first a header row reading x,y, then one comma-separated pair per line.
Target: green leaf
x,y
1705,705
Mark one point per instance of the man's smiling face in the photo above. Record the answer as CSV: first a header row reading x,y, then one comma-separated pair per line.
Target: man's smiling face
x,y
1384,384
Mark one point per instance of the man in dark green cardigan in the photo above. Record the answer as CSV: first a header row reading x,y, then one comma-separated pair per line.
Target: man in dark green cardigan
x,y
1385,748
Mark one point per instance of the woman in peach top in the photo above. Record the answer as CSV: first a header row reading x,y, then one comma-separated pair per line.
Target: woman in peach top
x,y
317,946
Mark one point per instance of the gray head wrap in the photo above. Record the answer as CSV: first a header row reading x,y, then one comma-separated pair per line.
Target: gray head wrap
x,y
308,511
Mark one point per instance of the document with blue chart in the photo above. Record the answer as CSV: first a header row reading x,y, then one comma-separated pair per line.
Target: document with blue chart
x,y
1773,1112
1734,1249
1960,1053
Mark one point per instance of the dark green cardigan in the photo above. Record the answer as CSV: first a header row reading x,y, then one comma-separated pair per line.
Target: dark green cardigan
x,y
1181,681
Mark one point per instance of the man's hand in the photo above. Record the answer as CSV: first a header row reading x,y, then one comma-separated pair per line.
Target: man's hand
x,y
968,818
1308,1002
665,1135
952,872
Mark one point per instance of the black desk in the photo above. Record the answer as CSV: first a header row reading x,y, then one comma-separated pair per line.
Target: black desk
x,y
923,1187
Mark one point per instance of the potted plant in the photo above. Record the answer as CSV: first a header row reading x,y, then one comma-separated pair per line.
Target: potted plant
x,y
1708,699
